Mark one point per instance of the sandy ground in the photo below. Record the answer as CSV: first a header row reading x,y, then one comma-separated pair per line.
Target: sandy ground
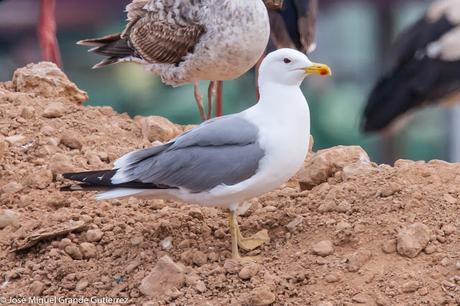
x,y
359,233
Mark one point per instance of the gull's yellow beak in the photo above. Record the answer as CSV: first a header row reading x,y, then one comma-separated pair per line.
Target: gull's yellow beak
x,y
320,69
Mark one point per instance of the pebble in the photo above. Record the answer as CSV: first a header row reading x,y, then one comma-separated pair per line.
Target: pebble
x,y
8,217
27,112
323,248
413,239
430,249
219,233
248,271
156,128
358,259
199,258
332,277
165,276
449,229
40,179
231,266
410,286
262,296
296,222
54,110
37,288
11,187
16,140
94,235
136,240
200,287
389,246
73,251
166,244
82,284
71,140
88,250
362,298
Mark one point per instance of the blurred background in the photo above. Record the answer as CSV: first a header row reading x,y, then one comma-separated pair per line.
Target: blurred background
x,y
353,36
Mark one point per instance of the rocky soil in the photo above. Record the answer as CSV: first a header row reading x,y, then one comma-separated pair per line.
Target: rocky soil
x,y
345,231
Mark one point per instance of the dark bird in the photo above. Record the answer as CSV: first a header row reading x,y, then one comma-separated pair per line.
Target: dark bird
x,y
293,25
423,68
46,30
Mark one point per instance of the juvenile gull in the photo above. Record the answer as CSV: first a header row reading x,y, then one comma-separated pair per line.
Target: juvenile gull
x,y
227,160
184,41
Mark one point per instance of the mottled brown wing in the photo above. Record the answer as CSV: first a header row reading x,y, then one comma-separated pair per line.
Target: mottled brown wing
x,y
162,42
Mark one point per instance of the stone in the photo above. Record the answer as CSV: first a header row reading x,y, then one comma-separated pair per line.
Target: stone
x,y
8,217
325,163
199,258
156,128
81,285
71,140
389,246
73,251
323,248
410,286
3,147
16,140
94,235
262,296
46,80
248,271
54,110
166,244
39,179
449,229
60,163
165,276
27,112
413,239
88,250
232,266
357,260
295,223
37,288
362,298
11,187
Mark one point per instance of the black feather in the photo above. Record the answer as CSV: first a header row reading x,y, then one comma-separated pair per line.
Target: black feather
x,y
102,180
412,79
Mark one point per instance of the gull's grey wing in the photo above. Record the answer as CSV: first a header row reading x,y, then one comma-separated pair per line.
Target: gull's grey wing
x,y
220,151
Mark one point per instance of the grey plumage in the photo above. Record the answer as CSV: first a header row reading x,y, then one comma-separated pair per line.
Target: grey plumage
x,y
220,151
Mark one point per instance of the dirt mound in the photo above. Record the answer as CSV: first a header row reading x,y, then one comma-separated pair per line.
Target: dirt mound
x,y
359,233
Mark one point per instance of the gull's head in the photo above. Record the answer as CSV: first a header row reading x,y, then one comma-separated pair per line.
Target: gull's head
x,y
289,67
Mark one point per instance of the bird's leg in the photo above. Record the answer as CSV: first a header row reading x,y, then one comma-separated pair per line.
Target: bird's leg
x,y
219,106
233,225
257,67
211,93
47,32
199,100
246,243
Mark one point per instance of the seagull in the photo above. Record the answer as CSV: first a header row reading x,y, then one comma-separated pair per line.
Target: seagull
x,y
185,41
423,69
47,32
226,160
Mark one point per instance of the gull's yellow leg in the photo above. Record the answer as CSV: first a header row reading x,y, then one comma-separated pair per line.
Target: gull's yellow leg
x,y
233,232
252,242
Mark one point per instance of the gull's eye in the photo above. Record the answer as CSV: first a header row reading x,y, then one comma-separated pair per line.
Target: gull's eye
x,y
286,60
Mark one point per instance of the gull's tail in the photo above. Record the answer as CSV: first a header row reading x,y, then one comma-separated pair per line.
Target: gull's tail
x,y
102,181
115,47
